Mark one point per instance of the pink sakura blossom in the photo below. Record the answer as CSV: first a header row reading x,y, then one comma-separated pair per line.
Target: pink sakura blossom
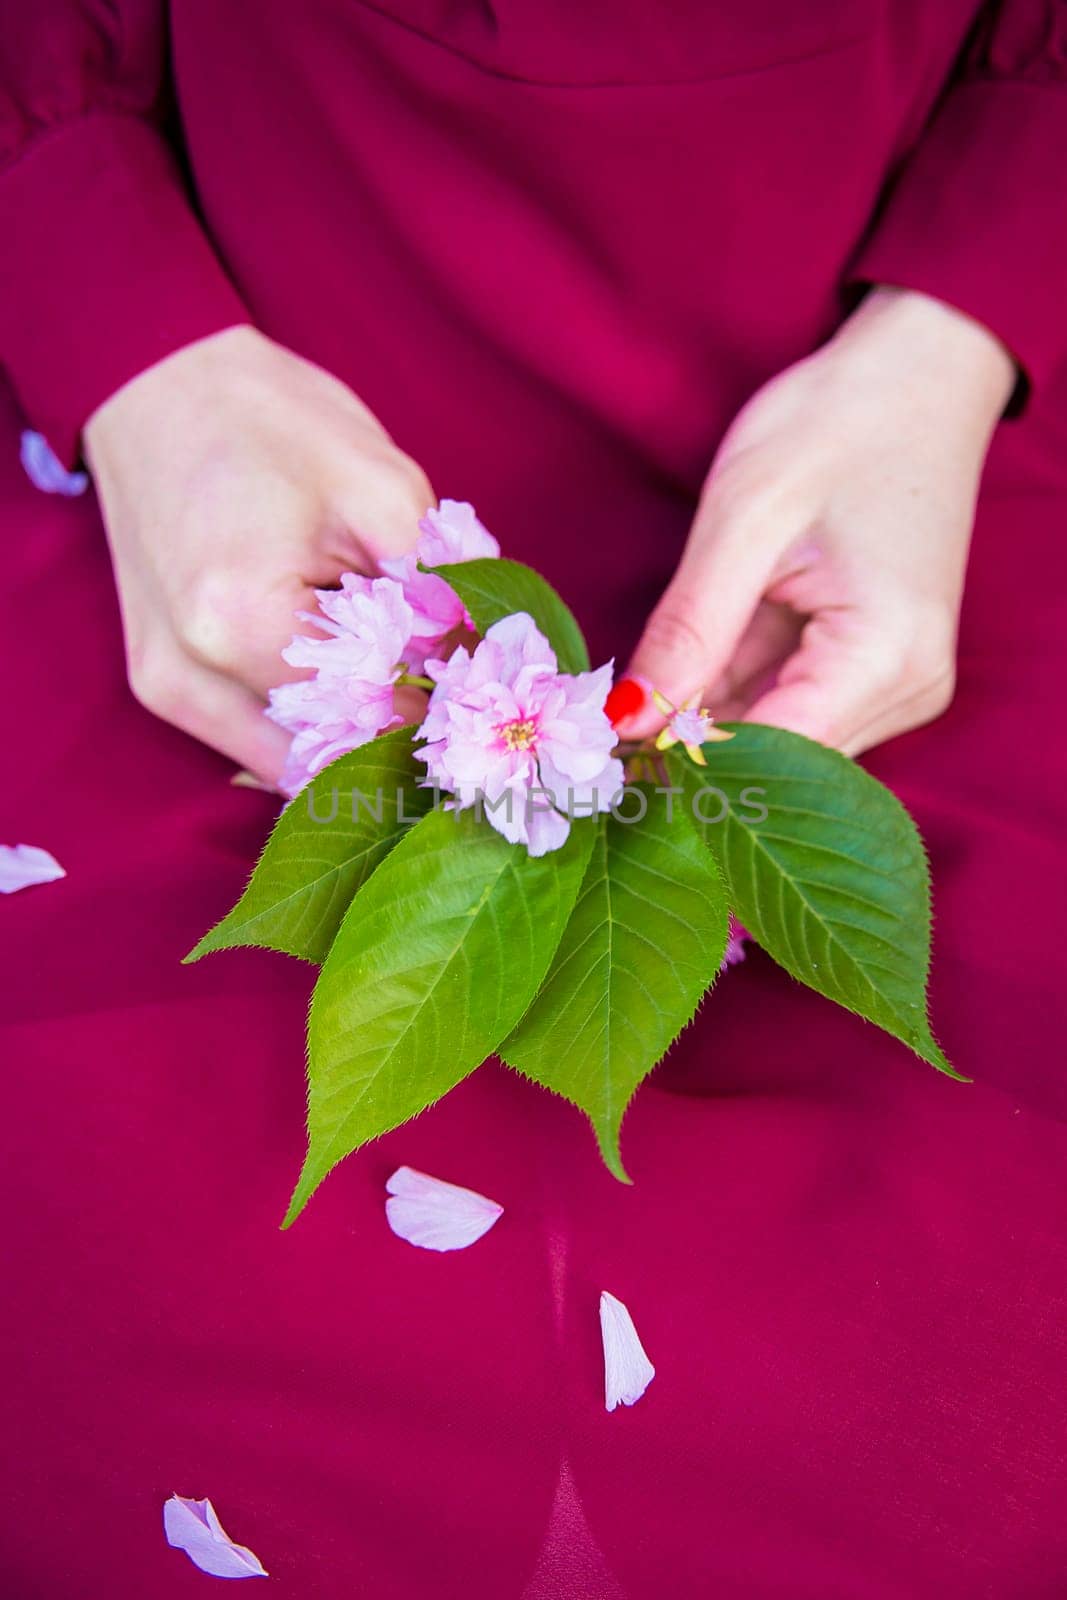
x,y
452,532
377,628
688,726
448,533
349,701
507,731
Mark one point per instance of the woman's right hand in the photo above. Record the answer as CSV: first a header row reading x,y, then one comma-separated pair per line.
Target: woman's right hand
x,y
234,478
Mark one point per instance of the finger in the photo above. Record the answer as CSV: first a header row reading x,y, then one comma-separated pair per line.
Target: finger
x,y
770,639
851,685
382,508
695,629
281,616
232,720
236,629
219,712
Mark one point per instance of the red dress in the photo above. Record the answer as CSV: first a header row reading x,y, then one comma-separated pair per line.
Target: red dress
x,y
554,247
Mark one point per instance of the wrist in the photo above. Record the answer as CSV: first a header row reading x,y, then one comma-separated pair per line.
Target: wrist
x,y
172,393
956,360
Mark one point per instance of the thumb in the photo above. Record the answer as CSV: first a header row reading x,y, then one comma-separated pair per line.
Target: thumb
x,y
698,622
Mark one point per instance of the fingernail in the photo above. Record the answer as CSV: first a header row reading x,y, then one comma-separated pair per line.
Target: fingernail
x,y
625,699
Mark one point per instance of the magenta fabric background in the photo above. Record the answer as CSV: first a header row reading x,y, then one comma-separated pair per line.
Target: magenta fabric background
x,y
849,1271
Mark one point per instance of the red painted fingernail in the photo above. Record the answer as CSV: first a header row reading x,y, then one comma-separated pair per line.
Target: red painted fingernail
x,y
625,699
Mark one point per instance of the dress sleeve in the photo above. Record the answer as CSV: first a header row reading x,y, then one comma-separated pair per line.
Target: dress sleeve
x,y
978,214
104,267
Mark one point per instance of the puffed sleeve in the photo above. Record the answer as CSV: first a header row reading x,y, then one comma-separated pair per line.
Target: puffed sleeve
x,y
977,216
104,267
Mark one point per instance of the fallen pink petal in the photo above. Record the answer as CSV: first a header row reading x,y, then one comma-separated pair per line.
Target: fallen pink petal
x,y
436,1215
44,469
627,1370
193,1526
24,865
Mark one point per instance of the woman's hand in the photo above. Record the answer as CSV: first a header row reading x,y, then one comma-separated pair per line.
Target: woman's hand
x,y
821,584
234,478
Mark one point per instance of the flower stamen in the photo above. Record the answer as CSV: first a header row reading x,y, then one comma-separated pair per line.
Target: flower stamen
x,y
520,735
687,725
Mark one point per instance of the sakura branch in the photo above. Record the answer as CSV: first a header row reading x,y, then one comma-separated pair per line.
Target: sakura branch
x,y
526,884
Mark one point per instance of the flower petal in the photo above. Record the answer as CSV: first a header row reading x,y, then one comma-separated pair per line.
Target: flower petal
x,y
23,865
498,713
452,532
192,1526
736,940
45,470
546,830
627,1370
436,1215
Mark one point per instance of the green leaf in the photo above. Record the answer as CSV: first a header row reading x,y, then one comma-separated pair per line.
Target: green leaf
x,y
646,939
324,847
492,589
434,964
832,881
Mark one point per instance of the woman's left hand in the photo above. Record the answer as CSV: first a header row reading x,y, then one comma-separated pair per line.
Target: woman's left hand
x,y
821,583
